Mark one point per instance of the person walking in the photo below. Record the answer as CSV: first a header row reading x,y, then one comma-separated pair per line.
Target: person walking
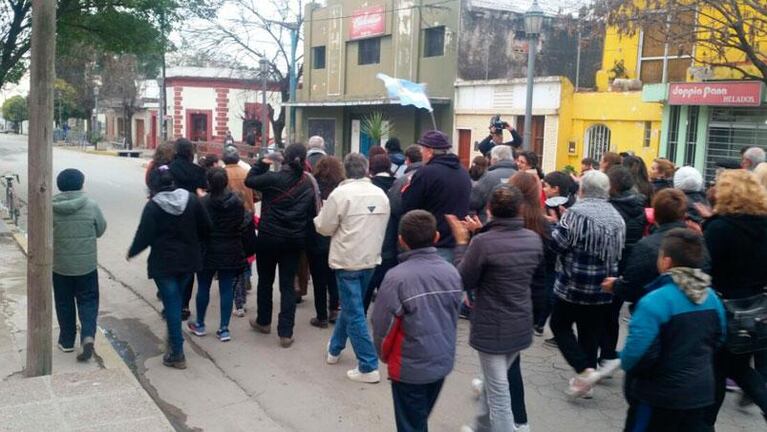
x,y
630,205
736,238
316,146
77,223
673,335
588,240
381,176
163,155
329,173
191,177
442,186
173,225
502,167
414,322
354,217
237,175
223,253
498,264
396,156
669,206
289,202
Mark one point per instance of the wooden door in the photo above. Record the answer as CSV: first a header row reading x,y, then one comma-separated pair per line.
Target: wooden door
x,y
538,126
464,147
140,133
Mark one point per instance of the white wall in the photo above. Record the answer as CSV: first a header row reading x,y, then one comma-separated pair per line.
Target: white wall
x,y
509,97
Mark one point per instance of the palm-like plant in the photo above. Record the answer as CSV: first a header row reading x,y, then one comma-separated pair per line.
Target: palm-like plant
x,y
376,127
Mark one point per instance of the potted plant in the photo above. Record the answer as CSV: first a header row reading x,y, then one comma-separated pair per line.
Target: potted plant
x,y
376,127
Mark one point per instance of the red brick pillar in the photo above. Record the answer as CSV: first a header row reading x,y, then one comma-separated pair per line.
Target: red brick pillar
x,y
222,114
178,115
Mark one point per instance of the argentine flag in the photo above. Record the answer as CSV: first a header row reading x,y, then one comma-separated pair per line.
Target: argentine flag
x,y
407,92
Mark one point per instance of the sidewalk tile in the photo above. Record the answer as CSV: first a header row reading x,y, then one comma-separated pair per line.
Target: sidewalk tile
x,y
23,391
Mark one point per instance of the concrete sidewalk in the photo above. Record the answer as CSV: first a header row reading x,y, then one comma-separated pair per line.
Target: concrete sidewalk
x,y
99,395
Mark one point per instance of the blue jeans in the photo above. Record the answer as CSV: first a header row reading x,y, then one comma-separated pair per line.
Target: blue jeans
x,y
81,290
351,322
171,290
226,289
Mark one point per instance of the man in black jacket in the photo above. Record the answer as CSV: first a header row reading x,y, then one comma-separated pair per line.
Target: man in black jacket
x,y
442,186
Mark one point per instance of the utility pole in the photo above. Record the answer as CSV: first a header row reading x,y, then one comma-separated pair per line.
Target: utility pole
x,y
163,104
40,166
533,24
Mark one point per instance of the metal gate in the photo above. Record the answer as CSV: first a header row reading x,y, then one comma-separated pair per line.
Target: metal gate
x,y
730,131
597,141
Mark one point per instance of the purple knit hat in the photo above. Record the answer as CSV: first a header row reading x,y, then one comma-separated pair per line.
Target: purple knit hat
x,y
435,139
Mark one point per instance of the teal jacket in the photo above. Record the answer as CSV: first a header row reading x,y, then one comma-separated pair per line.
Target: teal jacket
x,y
77,223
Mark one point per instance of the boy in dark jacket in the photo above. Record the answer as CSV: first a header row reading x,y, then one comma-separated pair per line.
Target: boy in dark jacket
x,y
414,321
673,335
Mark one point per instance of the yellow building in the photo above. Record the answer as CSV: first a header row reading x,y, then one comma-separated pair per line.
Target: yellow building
x,y
613,117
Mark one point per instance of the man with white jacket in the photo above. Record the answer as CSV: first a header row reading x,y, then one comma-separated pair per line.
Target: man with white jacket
x,y
354,216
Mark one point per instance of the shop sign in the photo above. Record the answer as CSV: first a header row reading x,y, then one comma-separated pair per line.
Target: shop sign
x,y
367,22
734,94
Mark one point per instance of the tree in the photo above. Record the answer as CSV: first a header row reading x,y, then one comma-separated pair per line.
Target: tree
x,y
252,34
116,26
724,33
65,104
15,111
121,89
376,127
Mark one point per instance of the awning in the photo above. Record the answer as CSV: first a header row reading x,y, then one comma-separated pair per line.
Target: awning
x,y
364,102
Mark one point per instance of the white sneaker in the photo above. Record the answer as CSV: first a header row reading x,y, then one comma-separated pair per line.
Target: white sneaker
x,y
465,428
522,427
476,387
581,384
607,368
331,359
240,312
371,377
65,349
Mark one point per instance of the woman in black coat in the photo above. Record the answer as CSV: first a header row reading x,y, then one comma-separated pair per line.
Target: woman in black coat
x,y
736,238
173,224
289,202
223,252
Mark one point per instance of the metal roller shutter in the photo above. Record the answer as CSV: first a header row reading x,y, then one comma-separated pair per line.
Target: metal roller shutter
x,y
732,129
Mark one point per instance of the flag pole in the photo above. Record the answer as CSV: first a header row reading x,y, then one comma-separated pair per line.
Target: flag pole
x,y
433,121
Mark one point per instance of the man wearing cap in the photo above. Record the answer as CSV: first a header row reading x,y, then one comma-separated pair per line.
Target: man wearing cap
x,y
77,223
442,186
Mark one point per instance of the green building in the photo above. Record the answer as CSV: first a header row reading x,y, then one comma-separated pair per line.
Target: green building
x,y
346,44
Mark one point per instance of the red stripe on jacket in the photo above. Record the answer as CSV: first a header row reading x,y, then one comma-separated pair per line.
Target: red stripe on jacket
x,y
391,349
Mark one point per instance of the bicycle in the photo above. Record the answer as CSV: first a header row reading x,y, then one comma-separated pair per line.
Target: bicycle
x,y
11,200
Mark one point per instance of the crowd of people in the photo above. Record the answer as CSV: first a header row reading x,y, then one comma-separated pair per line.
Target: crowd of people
x,y
422,241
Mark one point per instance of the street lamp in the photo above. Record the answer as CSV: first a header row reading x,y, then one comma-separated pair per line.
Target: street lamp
x,y
264,69
533,24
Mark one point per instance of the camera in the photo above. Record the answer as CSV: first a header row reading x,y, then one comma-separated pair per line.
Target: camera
x,y
498,124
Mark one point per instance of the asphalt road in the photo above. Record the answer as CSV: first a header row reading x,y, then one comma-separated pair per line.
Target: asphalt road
x,y
251,383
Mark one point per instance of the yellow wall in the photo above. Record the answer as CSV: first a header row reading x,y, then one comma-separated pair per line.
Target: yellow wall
x,y
624,113
617,48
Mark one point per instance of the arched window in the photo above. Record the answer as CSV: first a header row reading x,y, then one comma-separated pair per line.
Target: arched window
x,y
597,141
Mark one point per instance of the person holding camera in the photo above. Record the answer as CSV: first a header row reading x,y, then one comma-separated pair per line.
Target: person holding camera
x,y
495,138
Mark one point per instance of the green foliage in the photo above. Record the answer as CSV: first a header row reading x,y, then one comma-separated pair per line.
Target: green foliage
x,y
15,110
569,169
376,127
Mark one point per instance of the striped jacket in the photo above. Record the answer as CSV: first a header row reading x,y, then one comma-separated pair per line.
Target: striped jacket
x,y
415,317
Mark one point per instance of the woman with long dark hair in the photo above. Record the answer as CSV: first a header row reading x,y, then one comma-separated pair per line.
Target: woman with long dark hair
x,y
641,177
329,173
223,253
173,225
289,203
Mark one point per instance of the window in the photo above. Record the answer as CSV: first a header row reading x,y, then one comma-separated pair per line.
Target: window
x,y
677,43
597,141
318,57
647,133
434,42
369,51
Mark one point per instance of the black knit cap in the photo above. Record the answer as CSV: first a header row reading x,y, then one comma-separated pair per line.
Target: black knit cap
x,y
70,180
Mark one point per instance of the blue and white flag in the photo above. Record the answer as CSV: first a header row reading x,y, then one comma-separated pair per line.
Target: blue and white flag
x,y
407,92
